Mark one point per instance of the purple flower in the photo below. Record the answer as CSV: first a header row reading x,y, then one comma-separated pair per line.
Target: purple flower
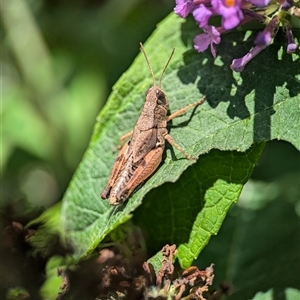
x,y
263,38
262,41
260,3
239,12
201,15
184,7
230,10
210,37
239,64
287,4
291,47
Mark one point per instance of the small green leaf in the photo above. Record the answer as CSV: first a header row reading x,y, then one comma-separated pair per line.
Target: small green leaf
x,y
53,282
264,296
292,294
156,261
260,104
47,235
17,293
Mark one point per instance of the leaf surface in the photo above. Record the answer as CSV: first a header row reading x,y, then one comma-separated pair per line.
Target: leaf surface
x,y
259,240
260,104
191,210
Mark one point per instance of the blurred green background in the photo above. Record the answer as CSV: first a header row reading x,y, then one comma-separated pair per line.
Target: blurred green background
x,y
60,60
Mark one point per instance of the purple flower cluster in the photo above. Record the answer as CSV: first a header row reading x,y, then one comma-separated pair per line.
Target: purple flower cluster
x,y
234,13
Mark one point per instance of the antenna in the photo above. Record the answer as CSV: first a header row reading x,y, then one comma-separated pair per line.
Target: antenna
x,y
144,52
162,73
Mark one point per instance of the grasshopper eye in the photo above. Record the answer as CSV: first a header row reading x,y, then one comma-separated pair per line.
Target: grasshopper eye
x,y
161,98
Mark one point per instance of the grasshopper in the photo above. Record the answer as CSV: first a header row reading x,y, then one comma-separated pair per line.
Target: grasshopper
x,y
142,154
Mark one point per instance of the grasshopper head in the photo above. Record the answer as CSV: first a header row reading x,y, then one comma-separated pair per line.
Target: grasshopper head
x,y
157,98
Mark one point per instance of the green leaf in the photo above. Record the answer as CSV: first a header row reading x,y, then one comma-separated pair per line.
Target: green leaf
x,y
262,245
264,296
55,282
156,261
52,283
47,235
17,293
258,246
260,104
292,294
190,211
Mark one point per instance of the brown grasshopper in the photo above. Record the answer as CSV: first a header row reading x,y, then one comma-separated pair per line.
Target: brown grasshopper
x,y
140,156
